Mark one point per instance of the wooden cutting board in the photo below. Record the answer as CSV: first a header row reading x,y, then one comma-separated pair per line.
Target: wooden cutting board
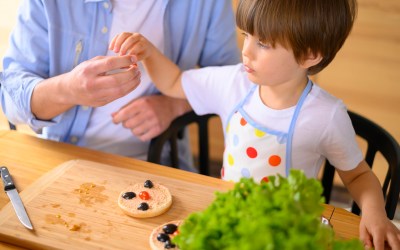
x,y
75,207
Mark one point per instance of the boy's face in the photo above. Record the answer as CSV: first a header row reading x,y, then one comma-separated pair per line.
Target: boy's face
x,y
270,66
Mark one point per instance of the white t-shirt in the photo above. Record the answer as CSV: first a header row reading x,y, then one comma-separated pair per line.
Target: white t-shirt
x,y
145,17
323,129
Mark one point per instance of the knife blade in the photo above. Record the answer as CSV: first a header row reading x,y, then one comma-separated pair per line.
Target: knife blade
x,y
16,201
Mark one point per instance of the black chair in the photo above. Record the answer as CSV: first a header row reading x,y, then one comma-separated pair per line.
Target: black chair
x,y
378,140
174,133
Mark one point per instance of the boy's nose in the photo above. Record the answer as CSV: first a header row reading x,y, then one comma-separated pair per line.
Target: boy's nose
x,y
247,50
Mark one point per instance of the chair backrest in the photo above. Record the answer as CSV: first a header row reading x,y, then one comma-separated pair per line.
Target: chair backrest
x,y
174,132
378,140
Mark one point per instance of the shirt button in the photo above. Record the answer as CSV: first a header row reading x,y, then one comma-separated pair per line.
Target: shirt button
x,y
104,30
106,5
73,139
85,107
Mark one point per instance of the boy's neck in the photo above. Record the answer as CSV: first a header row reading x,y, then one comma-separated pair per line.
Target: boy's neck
x,y
282,96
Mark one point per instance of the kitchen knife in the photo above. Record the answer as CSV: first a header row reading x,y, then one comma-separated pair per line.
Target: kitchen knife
x,y
16,201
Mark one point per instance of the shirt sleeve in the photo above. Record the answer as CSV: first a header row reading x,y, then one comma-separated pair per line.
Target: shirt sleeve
x,y
25,64
339,144
215,90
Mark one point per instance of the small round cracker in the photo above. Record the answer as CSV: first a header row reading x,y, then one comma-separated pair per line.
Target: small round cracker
x,y
158,245
160,200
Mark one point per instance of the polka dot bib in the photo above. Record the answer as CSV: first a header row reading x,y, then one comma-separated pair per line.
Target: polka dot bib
x,y
252,150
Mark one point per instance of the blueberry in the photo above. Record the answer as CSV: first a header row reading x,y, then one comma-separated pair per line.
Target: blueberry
x,y
169,244
163,237
148,184
170,228
143,206
129,195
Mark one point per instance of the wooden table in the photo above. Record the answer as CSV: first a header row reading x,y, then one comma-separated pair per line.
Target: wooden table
x,y
28,158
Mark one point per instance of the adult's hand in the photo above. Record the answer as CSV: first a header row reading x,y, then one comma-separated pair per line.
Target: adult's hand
x,y
149,116
91,83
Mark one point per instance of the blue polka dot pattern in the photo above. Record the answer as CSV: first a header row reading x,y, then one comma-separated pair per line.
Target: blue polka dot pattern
x,y
245,172
235,140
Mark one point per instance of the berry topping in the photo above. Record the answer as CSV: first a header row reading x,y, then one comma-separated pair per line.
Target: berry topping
x,y
143,206
144,195
170,228
148,184
169,245
163,237
129,195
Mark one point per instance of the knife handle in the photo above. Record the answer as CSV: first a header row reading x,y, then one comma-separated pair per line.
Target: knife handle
x,y
7,180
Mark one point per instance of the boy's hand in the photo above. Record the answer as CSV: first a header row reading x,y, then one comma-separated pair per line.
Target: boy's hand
x,y
131,44
379,232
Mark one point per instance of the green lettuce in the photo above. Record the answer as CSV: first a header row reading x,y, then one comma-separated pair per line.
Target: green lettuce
x,y
283,213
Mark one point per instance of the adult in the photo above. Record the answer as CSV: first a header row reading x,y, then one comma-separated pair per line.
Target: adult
x,y
61,80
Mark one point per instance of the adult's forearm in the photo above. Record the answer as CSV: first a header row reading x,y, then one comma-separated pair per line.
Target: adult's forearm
x,y
49,99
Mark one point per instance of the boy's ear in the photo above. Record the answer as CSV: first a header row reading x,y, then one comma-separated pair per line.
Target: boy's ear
x,y
311,60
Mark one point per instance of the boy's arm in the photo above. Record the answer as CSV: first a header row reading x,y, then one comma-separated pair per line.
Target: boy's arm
x,y
364,187
163,72
375,227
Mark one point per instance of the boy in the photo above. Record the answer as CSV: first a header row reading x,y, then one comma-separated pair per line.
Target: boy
x,y
269,106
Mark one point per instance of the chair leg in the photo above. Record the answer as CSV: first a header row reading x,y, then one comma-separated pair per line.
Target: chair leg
x,y
174,151
204,160
327,181
355,209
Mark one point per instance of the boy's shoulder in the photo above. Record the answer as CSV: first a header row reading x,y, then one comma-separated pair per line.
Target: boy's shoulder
x,y
323,98
325,106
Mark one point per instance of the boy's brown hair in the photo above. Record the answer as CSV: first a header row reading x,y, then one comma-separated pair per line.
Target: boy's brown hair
x,y
304,26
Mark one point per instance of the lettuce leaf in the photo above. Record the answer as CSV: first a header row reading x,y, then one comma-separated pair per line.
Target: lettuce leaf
x,y
283,213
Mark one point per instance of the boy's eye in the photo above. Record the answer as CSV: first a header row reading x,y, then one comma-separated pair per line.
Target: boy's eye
x,y
263,45
245,34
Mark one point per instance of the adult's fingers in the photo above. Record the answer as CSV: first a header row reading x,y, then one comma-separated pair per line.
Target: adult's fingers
x,y
126,84
148,135
144,133
96,58
117,80
116,77
110,88
128,112
109,63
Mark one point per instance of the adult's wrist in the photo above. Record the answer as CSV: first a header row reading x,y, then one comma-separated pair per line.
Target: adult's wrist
x,y
50,98
181,107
